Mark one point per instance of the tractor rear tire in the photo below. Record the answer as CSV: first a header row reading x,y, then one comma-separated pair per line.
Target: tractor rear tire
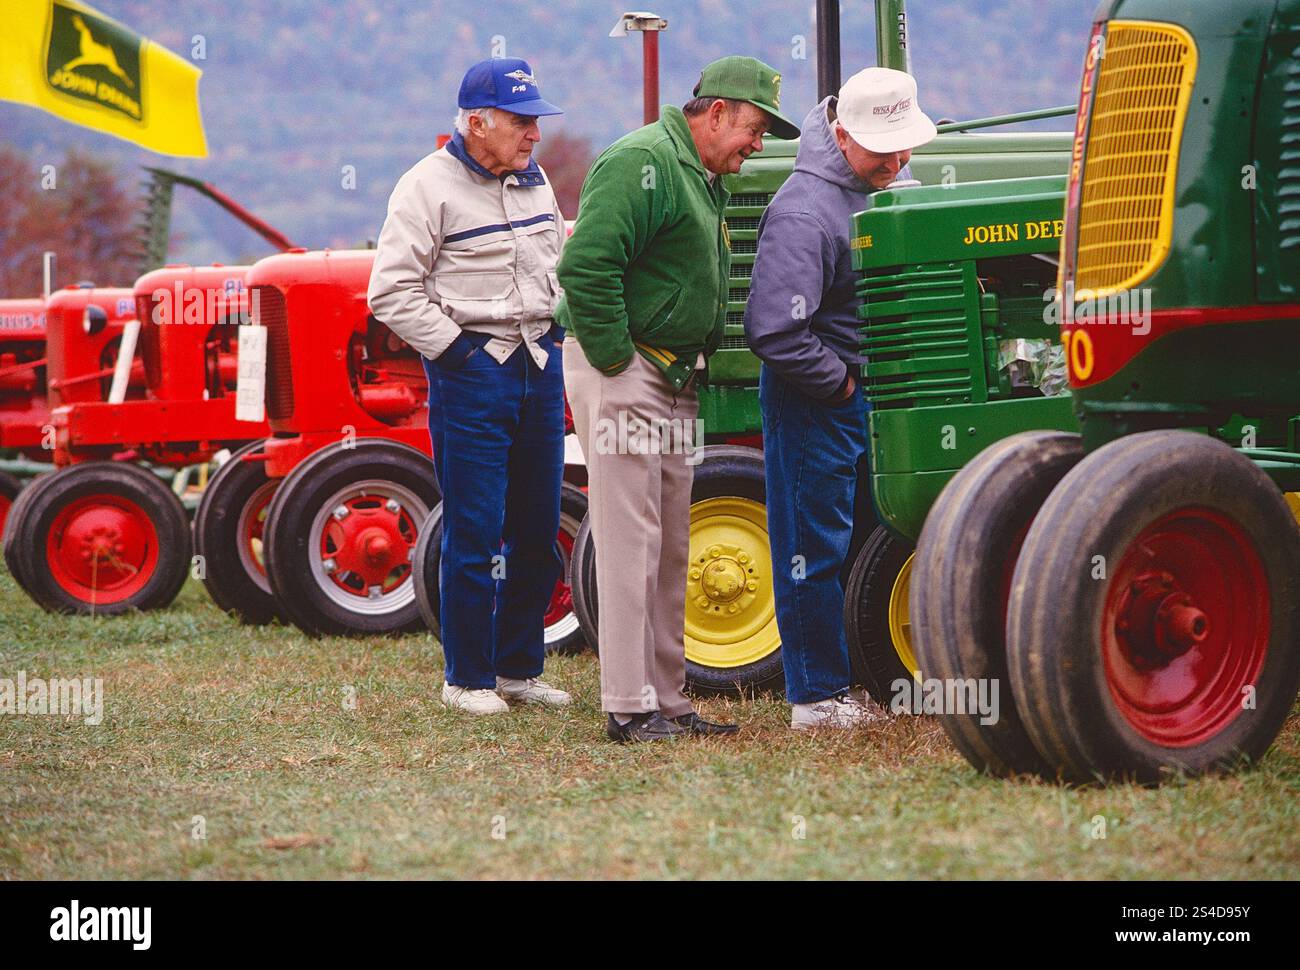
x,y
562,633
877,623
340,534
9,489
1155,612
960,582
100,538
229,533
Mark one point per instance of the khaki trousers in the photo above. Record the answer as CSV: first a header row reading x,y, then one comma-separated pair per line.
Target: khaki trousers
x,y
640,507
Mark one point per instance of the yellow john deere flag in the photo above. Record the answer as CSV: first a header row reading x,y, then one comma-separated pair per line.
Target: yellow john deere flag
x,y
70,60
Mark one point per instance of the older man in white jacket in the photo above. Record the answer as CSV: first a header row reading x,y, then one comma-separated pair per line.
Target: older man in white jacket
x,y
465,274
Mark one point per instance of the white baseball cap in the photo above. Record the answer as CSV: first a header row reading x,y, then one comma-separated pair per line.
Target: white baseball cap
x,y
879,110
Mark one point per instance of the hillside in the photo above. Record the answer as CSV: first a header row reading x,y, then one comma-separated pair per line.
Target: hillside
x,y
294,91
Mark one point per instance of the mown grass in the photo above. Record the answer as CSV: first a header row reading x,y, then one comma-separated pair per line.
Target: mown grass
x,y
251,729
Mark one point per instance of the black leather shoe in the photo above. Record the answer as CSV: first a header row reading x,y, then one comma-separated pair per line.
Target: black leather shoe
x,y
643,727
697,725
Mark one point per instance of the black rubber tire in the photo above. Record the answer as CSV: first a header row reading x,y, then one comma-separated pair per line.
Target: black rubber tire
x,y
9,489
714,452
5,542
301,594
45,497
873,658
958,579
216,538
1054,626
583,584
428,557
724,470
425,563
7,546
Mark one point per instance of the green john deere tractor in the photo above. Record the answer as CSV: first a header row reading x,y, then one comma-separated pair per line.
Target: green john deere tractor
x,y
731,637
1135,589
953,283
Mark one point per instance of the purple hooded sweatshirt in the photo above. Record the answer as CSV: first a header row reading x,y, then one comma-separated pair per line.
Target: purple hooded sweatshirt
x,y
802,315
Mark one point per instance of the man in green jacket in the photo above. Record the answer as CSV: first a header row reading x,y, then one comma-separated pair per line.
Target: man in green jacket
x,y
645,277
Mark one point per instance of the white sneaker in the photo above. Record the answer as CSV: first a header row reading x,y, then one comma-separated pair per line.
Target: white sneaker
x,y
532,691
841,711
482,701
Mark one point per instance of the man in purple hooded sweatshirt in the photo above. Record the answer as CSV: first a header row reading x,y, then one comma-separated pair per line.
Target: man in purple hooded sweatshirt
x,y
801,321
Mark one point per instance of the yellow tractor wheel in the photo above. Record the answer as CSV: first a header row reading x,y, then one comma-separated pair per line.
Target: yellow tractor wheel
x,y
877,597
732,643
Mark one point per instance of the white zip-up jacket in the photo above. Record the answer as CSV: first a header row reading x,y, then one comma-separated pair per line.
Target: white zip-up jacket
x,y
464,250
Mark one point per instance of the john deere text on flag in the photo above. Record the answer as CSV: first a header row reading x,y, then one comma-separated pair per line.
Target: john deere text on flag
x,y
70,60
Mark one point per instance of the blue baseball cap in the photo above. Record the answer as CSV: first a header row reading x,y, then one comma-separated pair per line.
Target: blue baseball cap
x,y
506,83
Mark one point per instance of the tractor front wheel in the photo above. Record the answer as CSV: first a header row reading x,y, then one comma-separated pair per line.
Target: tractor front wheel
x,y
1155,611
340,536
100,538
961,580
877,623
229,533
561,631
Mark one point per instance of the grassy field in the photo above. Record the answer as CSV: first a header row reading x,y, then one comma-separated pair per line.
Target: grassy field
x,y
251,738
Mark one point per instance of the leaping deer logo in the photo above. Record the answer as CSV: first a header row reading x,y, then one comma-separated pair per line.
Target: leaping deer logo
x,y
94,54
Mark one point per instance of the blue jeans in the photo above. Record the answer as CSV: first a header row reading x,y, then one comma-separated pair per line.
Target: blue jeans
x,y
815,457
498,448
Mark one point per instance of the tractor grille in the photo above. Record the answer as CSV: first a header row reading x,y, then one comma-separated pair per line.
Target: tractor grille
x,y
744,211
1144,85
916,336
150,340
269,312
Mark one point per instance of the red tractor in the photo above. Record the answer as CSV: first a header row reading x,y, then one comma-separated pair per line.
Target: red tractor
x,y
346,405
319,523
103,534
23,410
44,367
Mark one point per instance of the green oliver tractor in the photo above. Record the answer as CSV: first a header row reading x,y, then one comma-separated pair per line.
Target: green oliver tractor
x,y
1135,588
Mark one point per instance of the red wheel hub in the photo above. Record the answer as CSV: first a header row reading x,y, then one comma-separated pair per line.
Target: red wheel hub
x,y
367,544
254,527
1185,627
5,504
102,548
562,596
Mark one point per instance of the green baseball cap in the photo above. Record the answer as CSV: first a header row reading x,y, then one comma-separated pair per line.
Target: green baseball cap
x,y
747,79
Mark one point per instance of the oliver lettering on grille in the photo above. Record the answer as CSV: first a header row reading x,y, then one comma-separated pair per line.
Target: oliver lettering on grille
x,y
861,242
1014,231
